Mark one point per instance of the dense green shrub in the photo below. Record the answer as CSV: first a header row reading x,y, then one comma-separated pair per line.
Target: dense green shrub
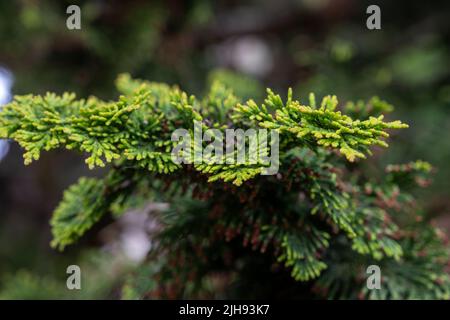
x,y
309,231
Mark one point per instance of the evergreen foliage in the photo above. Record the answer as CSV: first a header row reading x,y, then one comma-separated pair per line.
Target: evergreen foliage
x,y
228,229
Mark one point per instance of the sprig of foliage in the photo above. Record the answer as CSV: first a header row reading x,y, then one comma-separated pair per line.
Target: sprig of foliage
x,y
323,126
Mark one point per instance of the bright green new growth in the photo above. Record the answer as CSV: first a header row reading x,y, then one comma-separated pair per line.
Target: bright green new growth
x,y
322,126
138,126
316,217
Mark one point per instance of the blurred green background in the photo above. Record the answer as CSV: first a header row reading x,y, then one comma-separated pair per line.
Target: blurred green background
x,y
310,45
